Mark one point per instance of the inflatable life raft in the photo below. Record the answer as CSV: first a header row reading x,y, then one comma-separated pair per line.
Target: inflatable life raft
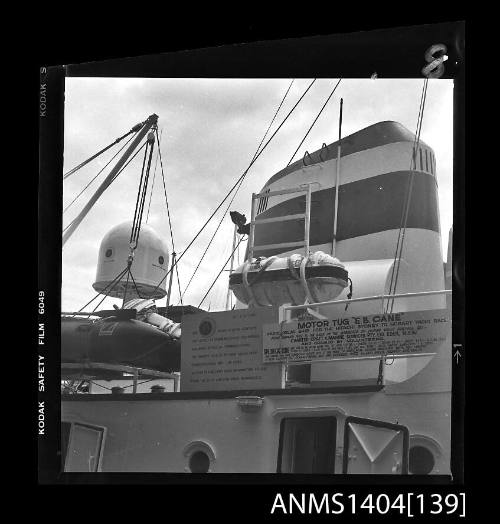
x,y
295,280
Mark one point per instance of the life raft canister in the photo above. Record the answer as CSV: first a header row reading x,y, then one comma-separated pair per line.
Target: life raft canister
x,y
275,281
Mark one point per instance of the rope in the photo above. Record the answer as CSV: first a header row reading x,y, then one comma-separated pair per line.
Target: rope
x,y
220,272
85,162
154,178
100,171
312,125
169,218
119,276
116,176
139,211
238,181
236,192
141,195
407,201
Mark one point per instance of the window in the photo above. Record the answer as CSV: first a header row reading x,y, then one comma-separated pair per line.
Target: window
x,y
421,460
81,446
307,445
421,161
426,161
199,462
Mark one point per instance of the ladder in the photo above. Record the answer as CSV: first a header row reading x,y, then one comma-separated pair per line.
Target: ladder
x,y
306,216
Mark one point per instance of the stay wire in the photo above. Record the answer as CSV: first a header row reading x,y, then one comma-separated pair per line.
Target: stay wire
x,y
116,176
220,272
237,189
407,202
100,171
314,122
119,276
238,181
85,162
169,217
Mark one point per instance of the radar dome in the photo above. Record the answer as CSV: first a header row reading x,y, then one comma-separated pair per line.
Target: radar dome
x,y
149,267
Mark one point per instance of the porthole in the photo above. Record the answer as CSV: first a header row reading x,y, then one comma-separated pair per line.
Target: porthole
x,y
421,460
200,457
109,253
161,260
199,462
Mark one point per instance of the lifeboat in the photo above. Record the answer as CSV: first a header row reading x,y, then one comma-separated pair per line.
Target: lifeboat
x,y
296,279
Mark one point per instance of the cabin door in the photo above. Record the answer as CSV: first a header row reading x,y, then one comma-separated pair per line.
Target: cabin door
x,y
307,445
374,446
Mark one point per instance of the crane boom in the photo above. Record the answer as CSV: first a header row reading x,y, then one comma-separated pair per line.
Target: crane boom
x,y
148,124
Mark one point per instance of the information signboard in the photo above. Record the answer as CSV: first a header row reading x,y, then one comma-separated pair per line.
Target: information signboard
x,y
223,351
409,333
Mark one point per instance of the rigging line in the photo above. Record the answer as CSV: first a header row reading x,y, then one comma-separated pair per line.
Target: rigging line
x,y
144,192
412,176
210,241
404,218
238,181
154,178
168,214
126,287
165,193
237,189
100,293
100,171
274,117
138,214
99,385
85,162
135,285
116,176
140,190
179,284
143,382
406,196
312,125
107,294
220,272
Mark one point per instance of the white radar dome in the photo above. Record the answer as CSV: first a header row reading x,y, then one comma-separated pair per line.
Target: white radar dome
x,y
150,263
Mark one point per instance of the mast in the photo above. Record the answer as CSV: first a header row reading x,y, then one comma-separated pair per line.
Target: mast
x,y
337,181
148,124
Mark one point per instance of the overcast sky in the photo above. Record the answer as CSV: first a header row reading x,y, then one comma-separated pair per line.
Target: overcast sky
x,y
210,131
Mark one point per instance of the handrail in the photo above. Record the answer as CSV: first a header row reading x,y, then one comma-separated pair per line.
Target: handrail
x,y
366,299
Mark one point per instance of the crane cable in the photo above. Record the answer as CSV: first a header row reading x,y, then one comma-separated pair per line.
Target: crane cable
x,y
314,122
139,210
406,204
237,189
100,171
126,270
237,182
119,139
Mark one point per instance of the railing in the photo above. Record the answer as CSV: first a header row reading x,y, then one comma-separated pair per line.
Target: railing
x,y
284,316
374,297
